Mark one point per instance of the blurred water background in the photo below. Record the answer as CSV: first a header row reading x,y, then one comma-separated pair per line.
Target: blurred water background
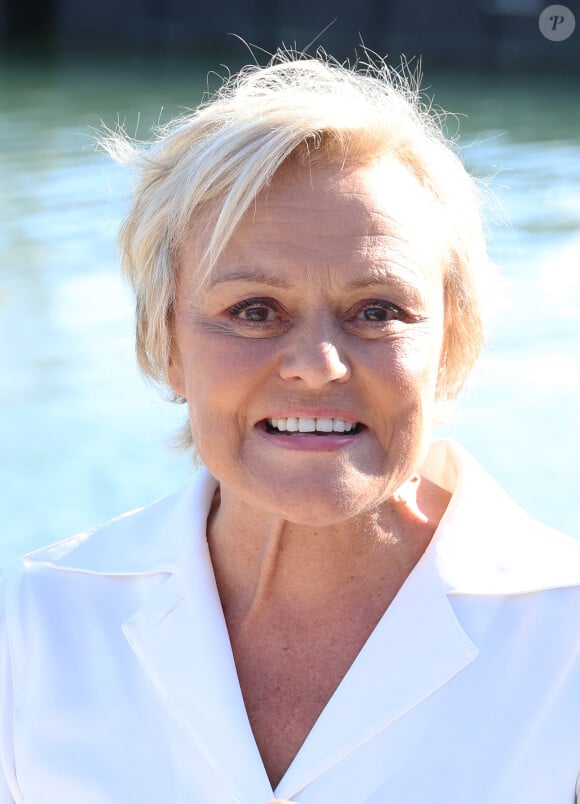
x,y
83,438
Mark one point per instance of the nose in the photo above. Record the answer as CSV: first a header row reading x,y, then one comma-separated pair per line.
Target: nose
x,y
315,355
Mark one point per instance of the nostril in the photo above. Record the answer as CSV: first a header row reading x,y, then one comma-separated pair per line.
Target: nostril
x,y
316,370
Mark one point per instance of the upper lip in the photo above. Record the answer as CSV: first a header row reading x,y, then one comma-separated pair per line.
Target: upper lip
x,y
314,413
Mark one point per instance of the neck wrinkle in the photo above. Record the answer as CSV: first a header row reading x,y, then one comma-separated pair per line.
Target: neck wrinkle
x,y
298,572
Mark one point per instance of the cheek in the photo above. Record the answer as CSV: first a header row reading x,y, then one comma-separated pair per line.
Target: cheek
x,y
211,347
221,377
409,403
411,366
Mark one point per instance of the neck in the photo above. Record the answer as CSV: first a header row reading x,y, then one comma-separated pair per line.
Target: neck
x,y
264,563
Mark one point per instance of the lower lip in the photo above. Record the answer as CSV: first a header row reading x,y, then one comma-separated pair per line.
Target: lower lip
x,y
310,443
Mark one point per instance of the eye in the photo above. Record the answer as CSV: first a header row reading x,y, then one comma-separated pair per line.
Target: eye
x,y
255,311
380,312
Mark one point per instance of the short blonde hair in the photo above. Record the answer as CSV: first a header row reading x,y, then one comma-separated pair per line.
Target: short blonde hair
x,y
204,170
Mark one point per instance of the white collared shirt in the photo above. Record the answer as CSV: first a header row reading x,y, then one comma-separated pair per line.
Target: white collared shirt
x,y
119,684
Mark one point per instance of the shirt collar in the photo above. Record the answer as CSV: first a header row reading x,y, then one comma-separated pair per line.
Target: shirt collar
x,y
485,543
146,540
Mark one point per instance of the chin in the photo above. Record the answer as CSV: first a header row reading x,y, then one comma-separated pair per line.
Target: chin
x,y
328,505
317,518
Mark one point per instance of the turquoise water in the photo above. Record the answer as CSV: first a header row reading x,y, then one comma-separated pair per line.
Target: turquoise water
x,y
83,437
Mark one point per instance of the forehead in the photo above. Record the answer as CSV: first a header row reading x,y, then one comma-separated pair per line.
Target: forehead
x,y
379,198
346,218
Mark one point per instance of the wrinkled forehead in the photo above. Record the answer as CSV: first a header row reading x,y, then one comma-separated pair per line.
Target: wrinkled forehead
x,y
381,196
331,214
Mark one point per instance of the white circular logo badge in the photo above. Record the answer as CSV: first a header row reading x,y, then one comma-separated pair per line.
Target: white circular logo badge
x,y
557,23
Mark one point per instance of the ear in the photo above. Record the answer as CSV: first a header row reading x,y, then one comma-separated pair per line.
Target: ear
x,y
175,373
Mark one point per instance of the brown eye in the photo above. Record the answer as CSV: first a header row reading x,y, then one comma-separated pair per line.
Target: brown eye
x,y
255,314
380,312
375,314
252,310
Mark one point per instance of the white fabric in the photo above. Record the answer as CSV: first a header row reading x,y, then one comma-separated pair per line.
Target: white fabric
x,y
119,684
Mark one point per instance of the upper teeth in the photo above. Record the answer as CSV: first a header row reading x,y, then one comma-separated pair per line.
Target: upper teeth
x,y
293,425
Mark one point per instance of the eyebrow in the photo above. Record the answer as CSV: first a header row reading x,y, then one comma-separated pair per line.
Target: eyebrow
x,y
257,277
376,279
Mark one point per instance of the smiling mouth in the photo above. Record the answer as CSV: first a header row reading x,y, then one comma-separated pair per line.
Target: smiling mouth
x,y
318,428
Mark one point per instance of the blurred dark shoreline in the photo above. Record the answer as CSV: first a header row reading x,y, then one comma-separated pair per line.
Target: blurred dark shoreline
x,y
491,34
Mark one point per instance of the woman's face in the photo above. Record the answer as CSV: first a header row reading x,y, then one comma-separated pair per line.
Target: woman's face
x,y
325,310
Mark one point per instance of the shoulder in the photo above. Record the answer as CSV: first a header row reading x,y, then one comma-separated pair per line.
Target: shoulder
x,y
93,581
147,539
485,543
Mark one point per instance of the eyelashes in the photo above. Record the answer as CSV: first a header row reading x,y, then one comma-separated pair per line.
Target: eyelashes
x,y
378,307
256,307
267,311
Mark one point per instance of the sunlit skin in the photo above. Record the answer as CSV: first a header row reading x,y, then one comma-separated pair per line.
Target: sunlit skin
x,y
328,296
374,351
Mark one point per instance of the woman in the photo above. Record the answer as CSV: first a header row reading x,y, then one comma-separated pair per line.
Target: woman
x,y
336,609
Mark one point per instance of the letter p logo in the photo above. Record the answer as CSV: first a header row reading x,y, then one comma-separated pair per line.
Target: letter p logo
x,y
557,23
